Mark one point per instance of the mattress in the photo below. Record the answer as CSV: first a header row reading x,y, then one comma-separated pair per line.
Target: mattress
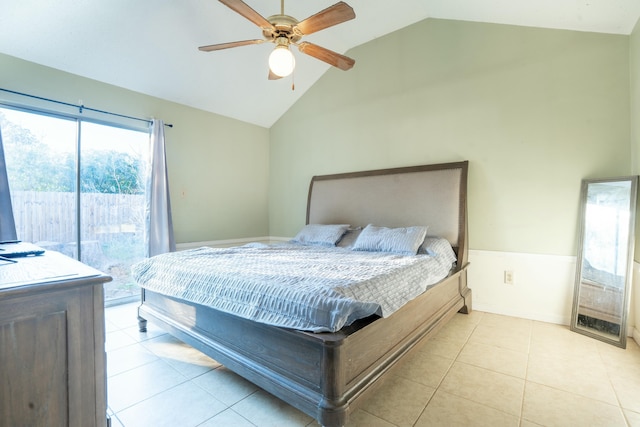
x,y
309,288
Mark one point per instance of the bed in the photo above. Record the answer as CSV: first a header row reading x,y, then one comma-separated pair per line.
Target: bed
x,y
327,374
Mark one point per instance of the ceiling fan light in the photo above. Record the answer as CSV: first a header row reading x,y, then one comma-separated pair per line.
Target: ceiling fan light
x,y
281,61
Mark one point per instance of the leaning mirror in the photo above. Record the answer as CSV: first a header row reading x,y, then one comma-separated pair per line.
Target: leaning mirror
x,y
605,259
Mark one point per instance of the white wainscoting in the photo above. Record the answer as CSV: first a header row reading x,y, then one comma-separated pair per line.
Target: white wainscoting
x,y
542,286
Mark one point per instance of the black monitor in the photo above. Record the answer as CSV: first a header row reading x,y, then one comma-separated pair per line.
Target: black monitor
x,y
7,223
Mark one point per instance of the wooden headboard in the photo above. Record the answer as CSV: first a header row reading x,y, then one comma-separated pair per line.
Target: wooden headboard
x,y
431,195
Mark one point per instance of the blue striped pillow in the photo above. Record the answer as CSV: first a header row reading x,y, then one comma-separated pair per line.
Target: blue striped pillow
x,y
404,240
321,234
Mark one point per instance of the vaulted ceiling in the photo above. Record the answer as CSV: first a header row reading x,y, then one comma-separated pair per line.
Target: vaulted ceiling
x,y
151,47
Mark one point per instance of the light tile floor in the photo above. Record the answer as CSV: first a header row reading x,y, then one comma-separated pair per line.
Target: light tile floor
x,y
480,370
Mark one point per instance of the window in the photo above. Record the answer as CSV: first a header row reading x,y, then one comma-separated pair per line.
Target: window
x,y
78,187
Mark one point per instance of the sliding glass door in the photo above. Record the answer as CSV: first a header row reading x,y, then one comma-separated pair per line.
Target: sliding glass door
x,y
40,161
78,187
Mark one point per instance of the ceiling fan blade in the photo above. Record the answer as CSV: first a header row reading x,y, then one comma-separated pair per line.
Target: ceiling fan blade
x,y
330,57
333,15
273,76
220,46
245,10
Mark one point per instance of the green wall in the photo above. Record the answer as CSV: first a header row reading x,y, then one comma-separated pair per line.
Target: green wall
x,y
534,111
218,167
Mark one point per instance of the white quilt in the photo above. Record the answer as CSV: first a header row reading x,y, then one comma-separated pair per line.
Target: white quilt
x,y
295,286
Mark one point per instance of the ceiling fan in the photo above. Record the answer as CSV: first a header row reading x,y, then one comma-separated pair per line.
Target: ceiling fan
x,y
284,31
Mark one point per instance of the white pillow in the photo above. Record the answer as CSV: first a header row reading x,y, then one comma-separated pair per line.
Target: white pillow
x,y
404,240
320,234
438,247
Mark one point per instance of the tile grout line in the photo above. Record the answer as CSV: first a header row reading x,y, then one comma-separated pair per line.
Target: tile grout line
x,y
447,371
615,391
227,407
469,331
526,375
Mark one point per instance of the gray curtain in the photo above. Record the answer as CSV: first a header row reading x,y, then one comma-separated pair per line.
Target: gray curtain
x,y
161,238
7,223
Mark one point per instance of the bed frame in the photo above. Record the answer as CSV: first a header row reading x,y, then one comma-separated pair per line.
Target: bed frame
x,y
326,375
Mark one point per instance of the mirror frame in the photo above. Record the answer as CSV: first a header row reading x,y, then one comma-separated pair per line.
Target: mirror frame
x,y
574,326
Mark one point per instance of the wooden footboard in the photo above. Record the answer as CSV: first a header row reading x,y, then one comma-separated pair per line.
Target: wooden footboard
x,y
325,375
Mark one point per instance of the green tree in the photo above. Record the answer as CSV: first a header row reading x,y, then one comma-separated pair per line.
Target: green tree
x,y
33,166
107,171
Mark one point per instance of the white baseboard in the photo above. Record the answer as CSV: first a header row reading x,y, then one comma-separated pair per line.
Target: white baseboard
x,y
636,335
230,242
542,286
558,319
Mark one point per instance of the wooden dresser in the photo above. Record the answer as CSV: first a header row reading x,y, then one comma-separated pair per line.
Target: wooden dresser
x,y
52,354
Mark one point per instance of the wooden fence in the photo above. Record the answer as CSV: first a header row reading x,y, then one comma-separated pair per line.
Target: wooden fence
x,y
51,216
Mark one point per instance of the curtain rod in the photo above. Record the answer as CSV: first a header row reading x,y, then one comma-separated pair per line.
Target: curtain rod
x,y
80,107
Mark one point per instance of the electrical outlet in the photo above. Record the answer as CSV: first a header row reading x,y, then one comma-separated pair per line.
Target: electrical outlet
x,y
508,277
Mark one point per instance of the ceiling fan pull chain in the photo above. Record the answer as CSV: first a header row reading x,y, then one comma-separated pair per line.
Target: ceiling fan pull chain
x,y
293,83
